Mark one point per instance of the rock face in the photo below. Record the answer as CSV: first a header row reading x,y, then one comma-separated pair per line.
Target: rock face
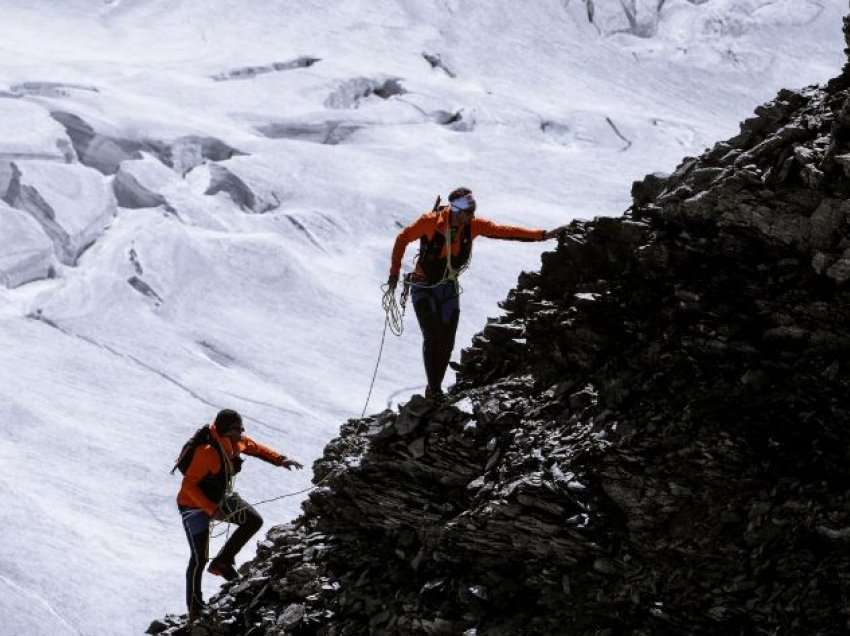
x,y
652,440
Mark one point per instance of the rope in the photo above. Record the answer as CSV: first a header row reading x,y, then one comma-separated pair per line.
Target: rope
x,y
393,310
217,522
377,364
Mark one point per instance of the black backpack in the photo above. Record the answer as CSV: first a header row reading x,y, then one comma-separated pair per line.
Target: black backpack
x,y
202,436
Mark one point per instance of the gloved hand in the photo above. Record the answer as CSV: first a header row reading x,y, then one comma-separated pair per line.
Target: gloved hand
x,y
289,464
554,233
392,281
219,515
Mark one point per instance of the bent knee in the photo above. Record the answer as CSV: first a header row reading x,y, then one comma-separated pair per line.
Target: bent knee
x,y
254,521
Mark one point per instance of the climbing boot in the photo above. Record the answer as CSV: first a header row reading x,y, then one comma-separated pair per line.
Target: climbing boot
x,y
224,569
434,395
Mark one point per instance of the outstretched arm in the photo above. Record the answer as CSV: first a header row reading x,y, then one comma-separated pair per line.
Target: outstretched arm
x,y
485,227
255,449
555,233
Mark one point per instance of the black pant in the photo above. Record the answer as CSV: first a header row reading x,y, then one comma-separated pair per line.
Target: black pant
x,y
437,310
196,523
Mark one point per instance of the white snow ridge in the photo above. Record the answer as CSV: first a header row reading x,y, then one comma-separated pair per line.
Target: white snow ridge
x,y
199,202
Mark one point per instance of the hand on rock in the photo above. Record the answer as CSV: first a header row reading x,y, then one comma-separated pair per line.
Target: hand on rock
x,y
550,234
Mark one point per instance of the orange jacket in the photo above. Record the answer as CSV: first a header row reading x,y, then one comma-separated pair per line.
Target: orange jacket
x,y
206,462
432,222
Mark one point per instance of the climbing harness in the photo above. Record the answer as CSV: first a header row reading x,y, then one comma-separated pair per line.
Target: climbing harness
x,y
449,273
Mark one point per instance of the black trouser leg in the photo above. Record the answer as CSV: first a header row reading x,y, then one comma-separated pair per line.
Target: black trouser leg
x,y
429,324
198,546
249,521
443,347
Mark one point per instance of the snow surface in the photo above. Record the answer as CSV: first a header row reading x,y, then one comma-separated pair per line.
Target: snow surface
x,y
256,285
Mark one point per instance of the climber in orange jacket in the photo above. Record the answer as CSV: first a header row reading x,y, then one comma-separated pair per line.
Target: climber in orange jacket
x,y
440,261
204,496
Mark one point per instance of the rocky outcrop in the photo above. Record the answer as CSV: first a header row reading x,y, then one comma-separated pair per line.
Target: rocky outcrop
x,y
651,440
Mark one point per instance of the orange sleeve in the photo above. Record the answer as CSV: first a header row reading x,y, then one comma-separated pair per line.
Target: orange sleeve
x,y
204,462
255,449
485,227
423,225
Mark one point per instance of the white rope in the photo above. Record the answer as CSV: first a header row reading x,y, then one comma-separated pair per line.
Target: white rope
x,y
217,522
377,364
393,310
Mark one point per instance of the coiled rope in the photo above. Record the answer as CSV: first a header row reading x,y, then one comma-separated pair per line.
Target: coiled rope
x,y
232,514
394,319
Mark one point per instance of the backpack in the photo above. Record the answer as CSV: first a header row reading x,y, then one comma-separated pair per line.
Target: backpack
x,y
202,436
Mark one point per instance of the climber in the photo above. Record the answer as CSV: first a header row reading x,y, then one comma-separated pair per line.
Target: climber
x,y
210,461
435,292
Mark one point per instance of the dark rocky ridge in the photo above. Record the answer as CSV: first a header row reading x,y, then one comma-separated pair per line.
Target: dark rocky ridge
x,y
657,441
